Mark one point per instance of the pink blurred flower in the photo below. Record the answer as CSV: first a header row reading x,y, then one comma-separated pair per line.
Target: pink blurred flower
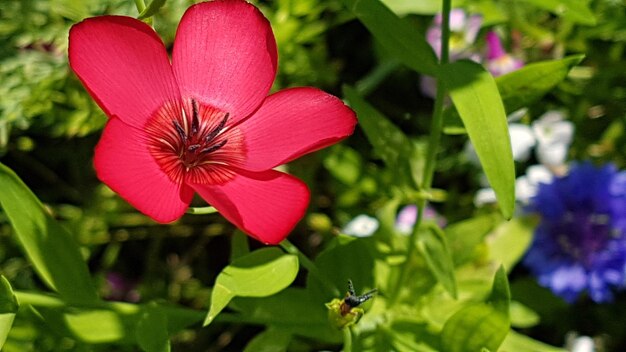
x,y
499,62
204,122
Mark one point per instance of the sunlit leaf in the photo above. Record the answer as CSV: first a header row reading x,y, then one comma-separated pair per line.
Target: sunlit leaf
x,y
475,95
50,247
509,241
528,84
464,236
397,36
522,316
259,274
500,293
8,309
434,247
517,342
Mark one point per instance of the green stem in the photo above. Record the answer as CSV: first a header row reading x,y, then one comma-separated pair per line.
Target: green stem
x,y
310,267
347,339
141,5
202,210
431,156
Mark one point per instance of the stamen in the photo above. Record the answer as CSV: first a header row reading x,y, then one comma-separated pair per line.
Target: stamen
x,y
193,147
194,118
180,130
214,147
217,129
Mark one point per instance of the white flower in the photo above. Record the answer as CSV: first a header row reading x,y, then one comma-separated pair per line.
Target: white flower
x,y
583,344
554,135
361,226
522,141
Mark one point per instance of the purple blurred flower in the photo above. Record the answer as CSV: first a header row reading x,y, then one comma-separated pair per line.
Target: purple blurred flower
x,y
499,61
580,243
408,215
120,288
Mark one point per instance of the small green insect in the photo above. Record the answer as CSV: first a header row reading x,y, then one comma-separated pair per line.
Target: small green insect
x,y
345,312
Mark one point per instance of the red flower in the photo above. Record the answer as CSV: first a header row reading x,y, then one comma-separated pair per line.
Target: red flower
x,y
203,123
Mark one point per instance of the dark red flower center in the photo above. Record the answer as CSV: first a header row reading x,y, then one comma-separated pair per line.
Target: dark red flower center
x,y
194,143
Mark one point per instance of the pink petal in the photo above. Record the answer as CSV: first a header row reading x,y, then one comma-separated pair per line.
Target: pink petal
x,y
266,205
123,162
124,66
225,56
294,122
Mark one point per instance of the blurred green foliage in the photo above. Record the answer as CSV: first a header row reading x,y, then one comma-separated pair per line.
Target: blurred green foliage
x,y
49,125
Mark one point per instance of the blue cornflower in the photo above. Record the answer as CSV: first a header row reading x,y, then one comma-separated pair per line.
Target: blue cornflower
x,y
580,243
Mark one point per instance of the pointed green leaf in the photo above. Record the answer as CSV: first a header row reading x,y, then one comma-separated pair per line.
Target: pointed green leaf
x,y
261,273
475,95
151,331
528,84
49,246
434,247
389,142
397,36
151,9
8,309
500,293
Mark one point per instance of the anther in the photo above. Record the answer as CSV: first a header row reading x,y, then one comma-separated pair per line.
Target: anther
x,y
194,117
193,147
180,130
214,147
214,132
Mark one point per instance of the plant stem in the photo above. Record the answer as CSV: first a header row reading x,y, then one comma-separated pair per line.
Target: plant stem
x,y
201,210
141,5
431,156
310,267
347,339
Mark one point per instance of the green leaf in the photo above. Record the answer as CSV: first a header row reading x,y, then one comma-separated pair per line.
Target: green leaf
x,y
151,9
151,331
8,309
473,328
389,142
522,316
104,322
50,247
480,326
464,236
574,10
500,293
270,340
518,342
475,95
397,36
510,240
261,273
293,310
528,84
434,247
